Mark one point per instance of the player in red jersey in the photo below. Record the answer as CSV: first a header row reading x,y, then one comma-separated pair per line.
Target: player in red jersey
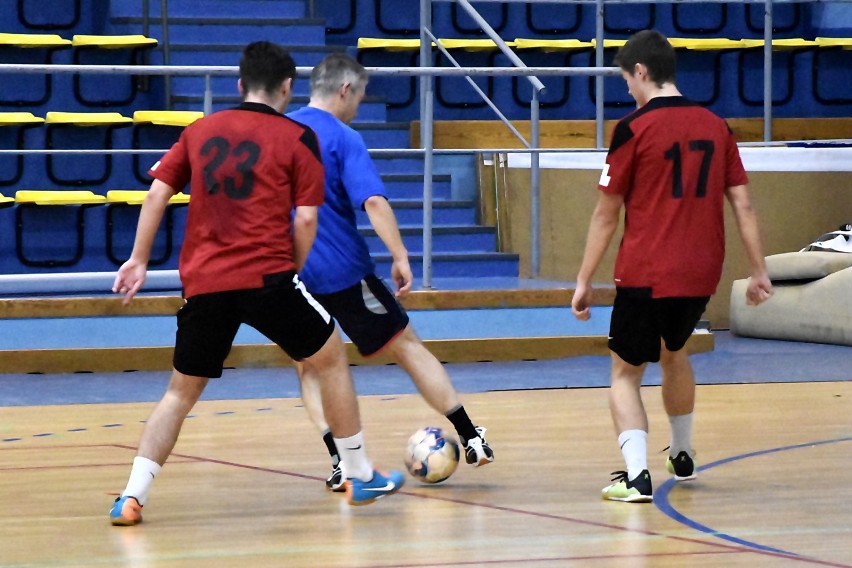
x,y
249,168
671,165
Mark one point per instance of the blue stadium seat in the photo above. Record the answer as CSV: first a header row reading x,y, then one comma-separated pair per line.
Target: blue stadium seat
x,y
831,73
156,129
99,90
59,15
785,53
30,90
42,226
122,216
13,126
81,130
398,93
556,100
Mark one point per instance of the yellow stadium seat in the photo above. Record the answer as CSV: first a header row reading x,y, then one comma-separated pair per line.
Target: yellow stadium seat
x,y
87,118
166,117
113,41
137,196
389,44
50,197
30,41
550,45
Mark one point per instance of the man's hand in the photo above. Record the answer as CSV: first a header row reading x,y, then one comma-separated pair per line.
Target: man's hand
x,y
581,303
402,277
759,289
130,278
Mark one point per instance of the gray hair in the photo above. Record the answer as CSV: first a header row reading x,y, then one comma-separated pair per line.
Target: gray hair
x,y
333,72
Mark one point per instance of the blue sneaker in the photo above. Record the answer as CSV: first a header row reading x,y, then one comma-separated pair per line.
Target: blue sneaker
x,y
125,512
365,492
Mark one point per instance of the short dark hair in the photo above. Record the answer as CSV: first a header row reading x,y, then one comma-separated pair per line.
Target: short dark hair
x,y
264,66
653,50
334,71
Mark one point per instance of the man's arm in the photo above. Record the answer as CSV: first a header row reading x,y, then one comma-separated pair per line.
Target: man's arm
x,y
759,286
601,229
383,220
131,276
304,232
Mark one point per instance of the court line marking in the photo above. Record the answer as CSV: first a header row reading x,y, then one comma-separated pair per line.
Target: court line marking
x,y
739,546
661,498
726,547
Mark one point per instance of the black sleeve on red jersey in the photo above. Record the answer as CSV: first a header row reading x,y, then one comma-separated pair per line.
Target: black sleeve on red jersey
x,y
620,136
309,139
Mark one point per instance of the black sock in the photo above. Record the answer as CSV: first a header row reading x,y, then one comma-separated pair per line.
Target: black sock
x,y
332,449
465,428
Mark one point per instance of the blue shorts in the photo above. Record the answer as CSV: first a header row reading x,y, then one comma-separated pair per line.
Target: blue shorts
x,y
368,313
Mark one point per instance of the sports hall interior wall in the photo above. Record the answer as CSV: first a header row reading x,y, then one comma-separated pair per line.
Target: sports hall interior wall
x,y
793,208
384,121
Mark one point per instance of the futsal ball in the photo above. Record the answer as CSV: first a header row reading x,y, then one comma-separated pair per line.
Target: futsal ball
x,y
431,456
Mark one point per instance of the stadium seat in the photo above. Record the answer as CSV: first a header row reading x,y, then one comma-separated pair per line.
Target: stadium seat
x,y
122,214
49,213
831,73
556,20
783,83
157,129
19,122
700,67
550,53
28,49
107,90
468,53
381,52
82,130
61,15
547,53
611,84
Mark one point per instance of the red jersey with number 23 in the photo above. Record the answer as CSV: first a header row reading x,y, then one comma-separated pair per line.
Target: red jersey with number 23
x,y
672,161
249,167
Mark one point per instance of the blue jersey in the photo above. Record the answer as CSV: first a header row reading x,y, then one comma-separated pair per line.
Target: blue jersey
x,y
340,257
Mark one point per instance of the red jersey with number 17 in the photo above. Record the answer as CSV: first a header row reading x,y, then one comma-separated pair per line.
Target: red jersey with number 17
x,y
249,167
672,161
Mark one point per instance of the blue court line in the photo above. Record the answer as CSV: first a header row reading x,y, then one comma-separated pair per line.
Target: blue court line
x,y
661,496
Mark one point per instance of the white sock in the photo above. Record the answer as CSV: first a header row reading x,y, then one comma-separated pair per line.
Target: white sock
x,y
142,475
681,434
634,448
353,455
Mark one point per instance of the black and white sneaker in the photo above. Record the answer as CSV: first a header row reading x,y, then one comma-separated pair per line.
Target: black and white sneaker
x,y
477,452
682,467
336,481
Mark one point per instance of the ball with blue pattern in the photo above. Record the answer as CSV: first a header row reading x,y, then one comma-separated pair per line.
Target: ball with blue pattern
x,y
431,456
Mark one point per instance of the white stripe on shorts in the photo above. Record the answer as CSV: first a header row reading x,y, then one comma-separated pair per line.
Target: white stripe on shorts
x,y
311,300
370,301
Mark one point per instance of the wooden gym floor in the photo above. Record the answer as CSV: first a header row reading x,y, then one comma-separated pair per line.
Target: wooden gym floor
x,y
245,486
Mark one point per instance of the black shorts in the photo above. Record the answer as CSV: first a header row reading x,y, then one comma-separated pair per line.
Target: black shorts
x,y
367,312
639,322
283,311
